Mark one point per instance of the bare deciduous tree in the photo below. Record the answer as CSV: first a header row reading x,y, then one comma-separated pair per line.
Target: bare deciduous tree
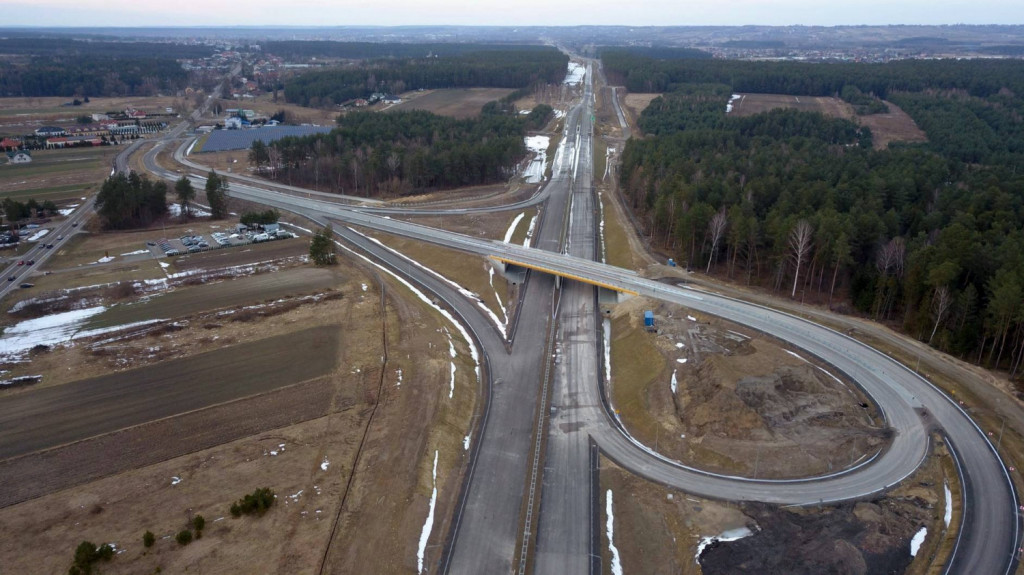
x,y
942,299
716,228
800,243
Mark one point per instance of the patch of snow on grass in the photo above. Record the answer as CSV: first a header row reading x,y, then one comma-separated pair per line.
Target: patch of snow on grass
x,y
796,356
730,535
680,345
429,524
105,259
534,172
529,231
681,360
175,480
915,543
610,530
49,330
324,464
68,210
691,318
512,227
948,516
675,382
136,253
37,236
454,354
606,328
175,210
497,298
365,287
733,98
465,443
398,372
574,77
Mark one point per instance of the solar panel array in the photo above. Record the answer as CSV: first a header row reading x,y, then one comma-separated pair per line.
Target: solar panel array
x,y
221,140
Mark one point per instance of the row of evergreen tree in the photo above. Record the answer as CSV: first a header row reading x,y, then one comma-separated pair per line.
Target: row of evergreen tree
x,y
916,234
90,76
371,154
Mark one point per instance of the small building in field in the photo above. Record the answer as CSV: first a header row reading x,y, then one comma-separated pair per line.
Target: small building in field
x,y
233,123
19,157
10,144
649,319
271,228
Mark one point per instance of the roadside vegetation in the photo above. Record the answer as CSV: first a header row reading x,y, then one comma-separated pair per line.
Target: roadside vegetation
x,y
401,153
131,201
926,237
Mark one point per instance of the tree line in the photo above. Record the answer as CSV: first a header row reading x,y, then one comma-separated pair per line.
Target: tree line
x,y
979,78
372,154
799,203
491,68
299,49
90,76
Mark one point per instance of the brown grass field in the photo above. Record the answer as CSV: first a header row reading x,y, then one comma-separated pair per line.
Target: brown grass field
x,y
896,126
457,103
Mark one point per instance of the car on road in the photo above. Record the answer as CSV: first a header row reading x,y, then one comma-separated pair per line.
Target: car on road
x,y
74,224
21,263
30,262
150,244
49,246
59,238
12,278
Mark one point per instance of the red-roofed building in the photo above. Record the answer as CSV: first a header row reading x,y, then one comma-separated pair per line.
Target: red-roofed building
x,y
9,144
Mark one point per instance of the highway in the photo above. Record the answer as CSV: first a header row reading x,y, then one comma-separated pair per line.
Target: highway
x,y
910,404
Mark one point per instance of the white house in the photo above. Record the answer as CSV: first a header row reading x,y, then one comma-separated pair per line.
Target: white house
x,y
233,123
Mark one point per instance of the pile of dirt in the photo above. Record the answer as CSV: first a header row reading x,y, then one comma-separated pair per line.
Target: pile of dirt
x,y
866,537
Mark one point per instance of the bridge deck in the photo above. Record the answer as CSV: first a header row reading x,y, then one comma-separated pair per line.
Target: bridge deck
x,y
534,267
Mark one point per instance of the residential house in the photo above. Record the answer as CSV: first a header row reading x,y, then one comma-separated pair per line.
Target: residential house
x,y
50,131
10,144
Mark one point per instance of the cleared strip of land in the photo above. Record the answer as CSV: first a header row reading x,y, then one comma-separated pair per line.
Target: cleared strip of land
x,y
53,416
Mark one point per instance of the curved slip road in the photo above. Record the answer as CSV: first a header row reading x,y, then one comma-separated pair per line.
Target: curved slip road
x,y
991,534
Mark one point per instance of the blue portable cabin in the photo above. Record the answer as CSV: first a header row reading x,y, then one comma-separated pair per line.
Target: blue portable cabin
x,y
648,318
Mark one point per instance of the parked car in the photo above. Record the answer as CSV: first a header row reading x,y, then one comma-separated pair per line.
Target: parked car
x,y
26,285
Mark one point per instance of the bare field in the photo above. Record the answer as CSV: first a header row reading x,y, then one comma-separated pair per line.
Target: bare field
x,y
743,405
19,116
634,104
389,414
58,174
456,103
896,126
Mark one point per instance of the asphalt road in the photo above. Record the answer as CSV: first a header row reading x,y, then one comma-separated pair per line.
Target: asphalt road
x,y
910,404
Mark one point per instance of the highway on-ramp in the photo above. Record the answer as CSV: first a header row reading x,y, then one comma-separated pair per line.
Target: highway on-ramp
x,y
912,406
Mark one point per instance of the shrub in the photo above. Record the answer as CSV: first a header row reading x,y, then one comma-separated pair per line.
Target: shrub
x,y
198,522
184,537
148,539
86,554
256,502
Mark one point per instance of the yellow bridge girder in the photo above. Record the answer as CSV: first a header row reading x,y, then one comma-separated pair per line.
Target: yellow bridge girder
x,y
562,274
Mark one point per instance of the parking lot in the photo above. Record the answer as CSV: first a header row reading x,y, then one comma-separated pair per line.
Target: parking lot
x,y
190,244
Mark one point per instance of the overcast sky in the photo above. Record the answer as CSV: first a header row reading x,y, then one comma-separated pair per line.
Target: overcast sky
x,y
503,12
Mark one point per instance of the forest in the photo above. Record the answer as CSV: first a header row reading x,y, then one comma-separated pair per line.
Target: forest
x,y
927,237
517,68
374,154
100,48
130,201
300,49
69,76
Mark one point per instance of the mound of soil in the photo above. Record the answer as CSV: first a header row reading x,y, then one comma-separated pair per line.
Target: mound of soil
x,y
854,539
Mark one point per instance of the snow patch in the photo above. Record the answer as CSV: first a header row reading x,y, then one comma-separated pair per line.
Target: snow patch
x,y
398,372
37,236
136,253
49,330
915,543
197,212
675,383
529,231
512,227
364,287
175,480
730,535
574,77
429,524
465,443
105,259
796,356
691,318
606,328
324,464
610,530
534,172
681,360
680,345
733,98
948,516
